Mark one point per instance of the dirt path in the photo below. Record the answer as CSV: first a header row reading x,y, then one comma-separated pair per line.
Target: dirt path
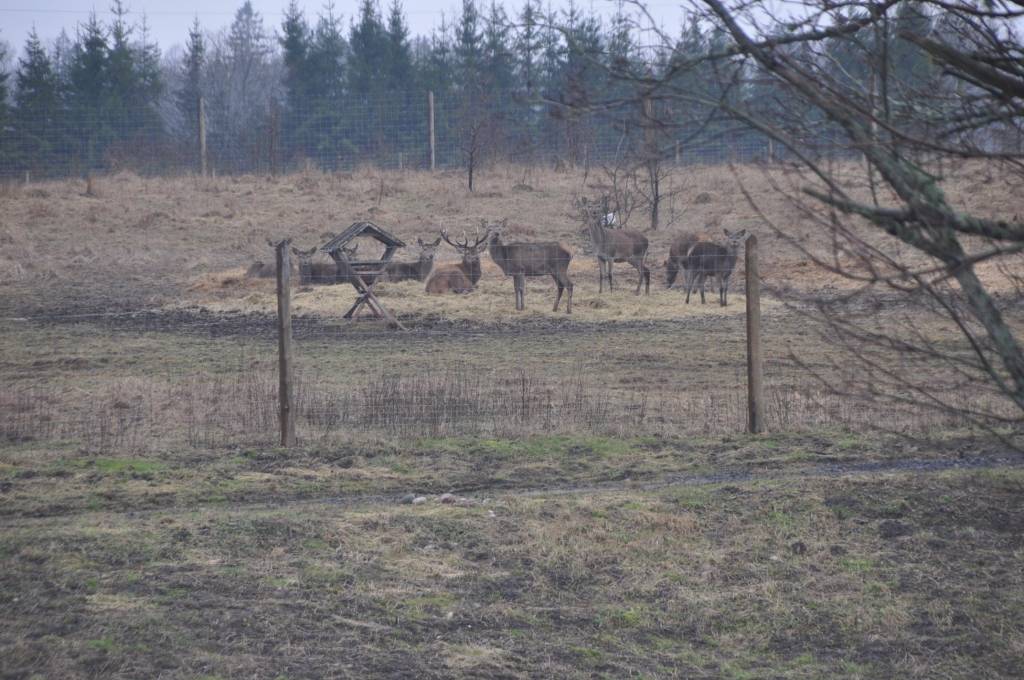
x,y
477,493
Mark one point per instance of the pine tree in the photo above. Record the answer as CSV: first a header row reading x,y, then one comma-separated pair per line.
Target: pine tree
x,y
327,53
248,49
400,70
498,60
468,46
4,75
88,93
63,52
437,68
294,41
368,50
911,67
552,56
192,65
527,48
121,70
37,108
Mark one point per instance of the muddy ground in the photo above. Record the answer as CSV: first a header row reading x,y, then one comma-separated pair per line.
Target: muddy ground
x,y
249,563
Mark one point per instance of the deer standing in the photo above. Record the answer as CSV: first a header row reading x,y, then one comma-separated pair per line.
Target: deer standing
x,y
418,270
615,245
540,258
311,273
713,260
461,277
676,261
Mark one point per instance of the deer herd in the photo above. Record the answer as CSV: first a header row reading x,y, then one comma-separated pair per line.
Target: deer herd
x,y
698,260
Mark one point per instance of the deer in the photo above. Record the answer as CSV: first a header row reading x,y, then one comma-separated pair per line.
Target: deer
x,y
676,261
615,245
414,271
311,273
711,259
461,277
539,258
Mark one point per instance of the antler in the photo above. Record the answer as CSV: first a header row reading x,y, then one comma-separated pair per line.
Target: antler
x,y
458,246
481,239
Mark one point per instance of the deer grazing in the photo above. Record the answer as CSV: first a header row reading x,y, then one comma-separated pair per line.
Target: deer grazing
x,y
540,258
713,260
614,245
676,261
461,277
311,273
414,271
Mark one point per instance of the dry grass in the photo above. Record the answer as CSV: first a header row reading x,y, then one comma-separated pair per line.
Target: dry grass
x,y
492,302
164,234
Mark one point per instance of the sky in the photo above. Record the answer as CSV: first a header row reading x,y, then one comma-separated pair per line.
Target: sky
x,y
169,19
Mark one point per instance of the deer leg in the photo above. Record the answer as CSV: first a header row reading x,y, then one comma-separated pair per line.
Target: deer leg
x,y
691,279
610,287
670,272
564,283
558,295
520,284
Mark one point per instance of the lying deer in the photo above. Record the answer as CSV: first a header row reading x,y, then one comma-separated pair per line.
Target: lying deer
x,y
414,271
615,245
712,260
461,277
311,273
541,258
676,261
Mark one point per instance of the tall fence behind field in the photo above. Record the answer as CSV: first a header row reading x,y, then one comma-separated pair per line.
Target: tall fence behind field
x,y
394,130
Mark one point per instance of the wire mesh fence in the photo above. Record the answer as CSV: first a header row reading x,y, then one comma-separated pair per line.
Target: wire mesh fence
x,y
205,410
395,130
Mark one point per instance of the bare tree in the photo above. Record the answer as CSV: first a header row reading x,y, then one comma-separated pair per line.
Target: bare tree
x,y
479,129
911,94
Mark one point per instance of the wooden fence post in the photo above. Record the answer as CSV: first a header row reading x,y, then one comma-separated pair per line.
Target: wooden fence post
x,y
201,141
275,135
755,370
430,120
284,342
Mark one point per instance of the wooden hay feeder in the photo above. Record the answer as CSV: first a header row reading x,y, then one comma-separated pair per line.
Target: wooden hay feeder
x,y
363,274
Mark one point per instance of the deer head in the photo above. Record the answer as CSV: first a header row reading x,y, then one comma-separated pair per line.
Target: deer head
x,y
428,250
305,258
733,239
494,231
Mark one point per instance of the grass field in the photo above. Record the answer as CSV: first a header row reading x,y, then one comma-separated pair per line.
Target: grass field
x,y
607,518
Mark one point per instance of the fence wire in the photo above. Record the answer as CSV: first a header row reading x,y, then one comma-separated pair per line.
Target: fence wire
x,y
388,131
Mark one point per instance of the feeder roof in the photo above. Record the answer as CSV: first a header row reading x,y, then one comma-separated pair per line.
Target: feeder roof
x,y
362,229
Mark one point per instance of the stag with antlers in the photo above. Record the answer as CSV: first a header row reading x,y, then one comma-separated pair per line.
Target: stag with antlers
x,y
461,277
541,258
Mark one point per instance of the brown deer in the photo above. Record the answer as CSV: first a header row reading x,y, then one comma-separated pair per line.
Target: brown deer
x,y
614,245
676,261
311,273
414,271
713,260
461,277
540,258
